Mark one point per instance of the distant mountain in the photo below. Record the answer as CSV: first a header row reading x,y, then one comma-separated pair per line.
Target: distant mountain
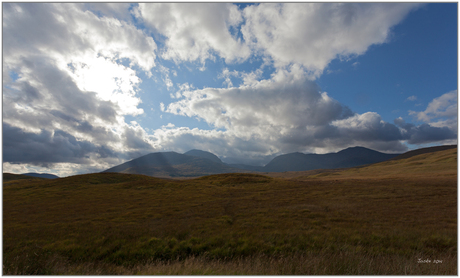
x,y
204,154
29,176
351,157
172,164
45,176
196,163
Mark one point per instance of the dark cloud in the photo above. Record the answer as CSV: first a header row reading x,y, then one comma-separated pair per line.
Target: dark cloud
x,y
37,23
48,147
133,139
424,133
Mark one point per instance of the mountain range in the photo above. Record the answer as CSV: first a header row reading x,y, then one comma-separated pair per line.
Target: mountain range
x,y
199,163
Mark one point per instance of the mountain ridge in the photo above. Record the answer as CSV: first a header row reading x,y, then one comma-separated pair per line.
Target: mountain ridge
x,y
349,157
195,163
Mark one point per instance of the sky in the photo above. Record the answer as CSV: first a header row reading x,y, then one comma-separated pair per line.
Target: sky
x,y
87,86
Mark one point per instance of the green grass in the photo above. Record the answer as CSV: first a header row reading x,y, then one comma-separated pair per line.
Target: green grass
x,y
233,224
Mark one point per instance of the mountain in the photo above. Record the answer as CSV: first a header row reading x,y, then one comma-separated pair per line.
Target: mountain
x,y
214,158
172,164
45,176
204,154
351,157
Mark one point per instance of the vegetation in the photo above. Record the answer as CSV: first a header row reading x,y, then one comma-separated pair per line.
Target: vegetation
x,y
395,217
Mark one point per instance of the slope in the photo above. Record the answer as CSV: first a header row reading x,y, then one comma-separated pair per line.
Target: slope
x,y
441,164
423,151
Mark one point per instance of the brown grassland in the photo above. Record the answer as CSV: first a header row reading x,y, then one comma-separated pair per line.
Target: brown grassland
x,y
396,217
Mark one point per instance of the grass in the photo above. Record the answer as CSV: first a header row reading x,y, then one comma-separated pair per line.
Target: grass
x,y
357,221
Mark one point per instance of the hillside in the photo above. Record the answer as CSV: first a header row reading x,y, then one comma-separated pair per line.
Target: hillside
x,y
350,157
373,220
430,164
172,164
423,151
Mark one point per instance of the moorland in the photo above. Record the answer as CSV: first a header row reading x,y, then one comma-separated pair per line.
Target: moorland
x,y
394,217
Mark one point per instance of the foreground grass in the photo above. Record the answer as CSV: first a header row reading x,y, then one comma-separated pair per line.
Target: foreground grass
x,y
233,224
295,264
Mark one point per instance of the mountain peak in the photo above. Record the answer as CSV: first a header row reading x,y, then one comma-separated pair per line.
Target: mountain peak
x,y
204,154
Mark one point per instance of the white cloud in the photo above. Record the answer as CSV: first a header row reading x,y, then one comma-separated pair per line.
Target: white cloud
x,y
313,34
412,98
117,10
196,31
287,100
441,111
443,106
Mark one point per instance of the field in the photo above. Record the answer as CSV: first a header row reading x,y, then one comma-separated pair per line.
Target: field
x,y
396,217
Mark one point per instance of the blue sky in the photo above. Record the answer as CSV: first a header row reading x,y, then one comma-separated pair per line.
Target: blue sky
x,y
89,86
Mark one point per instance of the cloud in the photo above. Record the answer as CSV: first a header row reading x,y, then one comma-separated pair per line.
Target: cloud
x,y
440,119
75,81
49,147
308,34
440,109
424,133
412,98
65,29
285,101
117,10
313,34
196,32
285,113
